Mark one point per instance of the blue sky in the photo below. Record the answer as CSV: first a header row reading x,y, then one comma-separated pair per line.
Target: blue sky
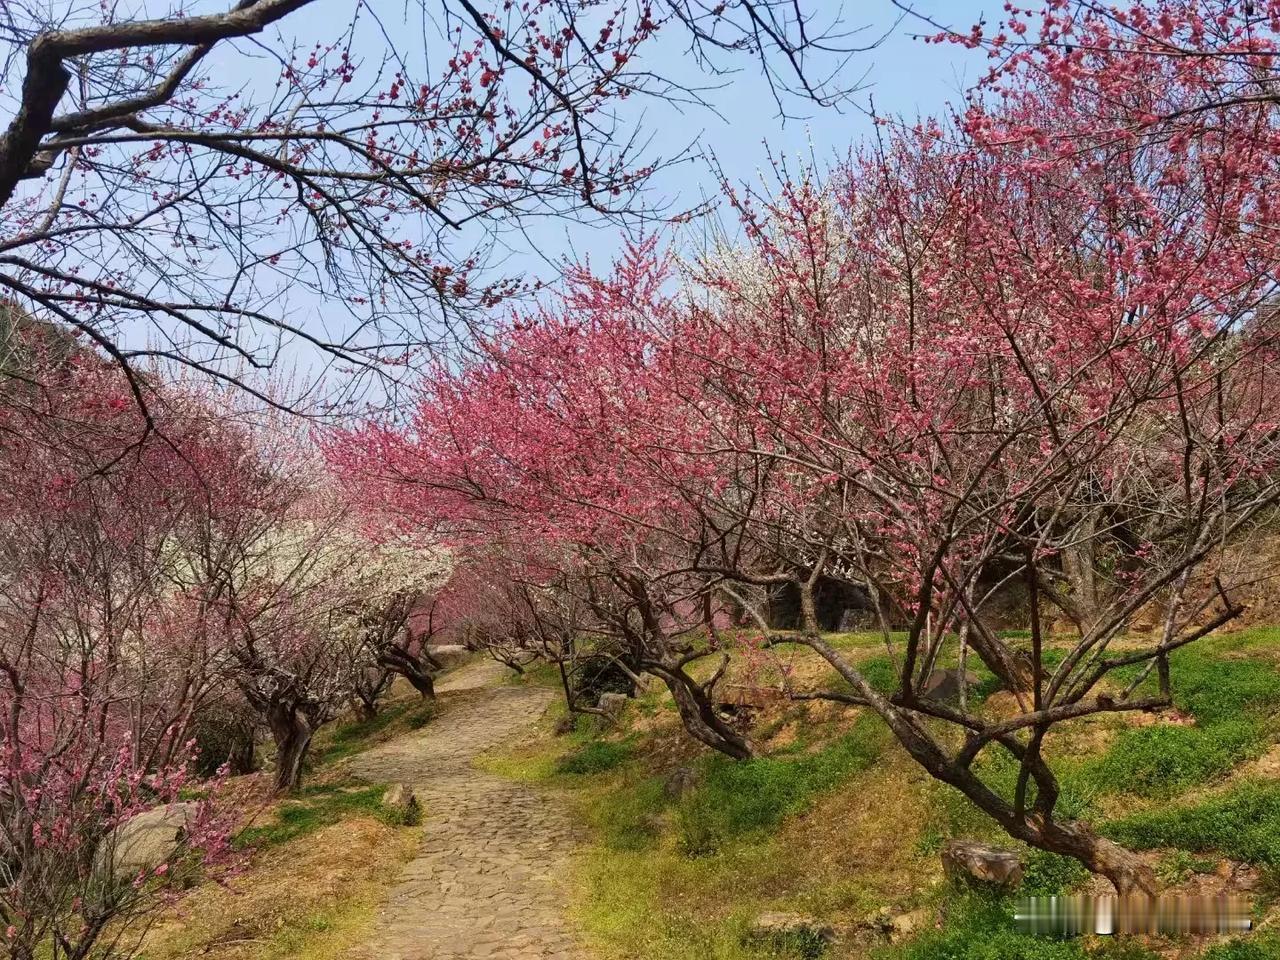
x,y
903,76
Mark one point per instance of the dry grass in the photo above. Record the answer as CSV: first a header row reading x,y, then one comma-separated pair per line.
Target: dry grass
x,y
311,898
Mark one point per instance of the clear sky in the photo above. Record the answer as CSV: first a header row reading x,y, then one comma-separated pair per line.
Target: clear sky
x,y
742,129
902,76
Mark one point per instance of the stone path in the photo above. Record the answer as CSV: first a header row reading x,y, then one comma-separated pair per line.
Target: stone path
x,y
485,882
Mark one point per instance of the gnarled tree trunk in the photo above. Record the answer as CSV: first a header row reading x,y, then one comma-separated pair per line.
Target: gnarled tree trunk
x,y
1127,872
292,733
418,669
698,714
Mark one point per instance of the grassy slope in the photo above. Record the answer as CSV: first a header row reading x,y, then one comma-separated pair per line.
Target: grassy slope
x,y
312,868
836,822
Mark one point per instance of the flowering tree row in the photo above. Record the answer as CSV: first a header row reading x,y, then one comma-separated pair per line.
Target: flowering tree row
x,y
158,569
1032,343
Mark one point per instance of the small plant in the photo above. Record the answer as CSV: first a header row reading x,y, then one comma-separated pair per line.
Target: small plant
x,y
1180,865
596,757
1048,874
421,717
797,945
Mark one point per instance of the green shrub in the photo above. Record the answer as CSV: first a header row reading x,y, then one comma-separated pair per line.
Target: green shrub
x,y
596,757
1243,823
1048,874
1180,865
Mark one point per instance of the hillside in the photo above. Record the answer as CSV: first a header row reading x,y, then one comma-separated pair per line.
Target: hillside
x,y
632,842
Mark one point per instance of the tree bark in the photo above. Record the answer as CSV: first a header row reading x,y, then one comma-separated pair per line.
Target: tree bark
x,y
240,756
1127,872
423,682
699,716
292,733
1013,667
418,670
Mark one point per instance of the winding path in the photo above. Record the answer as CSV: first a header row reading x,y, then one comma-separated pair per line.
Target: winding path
x,y
485,882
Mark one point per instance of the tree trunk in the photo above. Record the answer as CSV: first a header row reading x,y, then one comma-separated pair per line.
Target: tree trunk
x,y
419,670
1127,872
1013,667
699,716
423,682
240,757
1125,869
292,734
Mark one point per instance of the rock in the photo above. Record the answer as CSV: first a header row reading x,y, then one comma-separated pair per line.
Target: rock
x,y
403,802
908,924
781,926
612,704
977,863
144,842
945,684
448,654
681,782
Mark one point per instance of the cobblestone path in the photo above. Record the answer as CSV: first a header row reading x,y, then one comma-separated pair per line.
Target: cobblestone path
x,y
485,882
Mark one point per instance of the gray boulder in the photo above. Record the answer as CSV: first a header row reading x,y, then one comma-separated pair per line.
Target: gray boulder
x,y
966,861
612,704
403,803
944,685
145,841
681,782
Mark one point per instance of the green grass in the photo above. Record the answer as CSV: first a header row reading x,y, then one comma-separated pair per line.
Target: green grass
x,y
1266,946
1243,823
597,757
315,808
742,797
681,878
1232,701
348,739
981,928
